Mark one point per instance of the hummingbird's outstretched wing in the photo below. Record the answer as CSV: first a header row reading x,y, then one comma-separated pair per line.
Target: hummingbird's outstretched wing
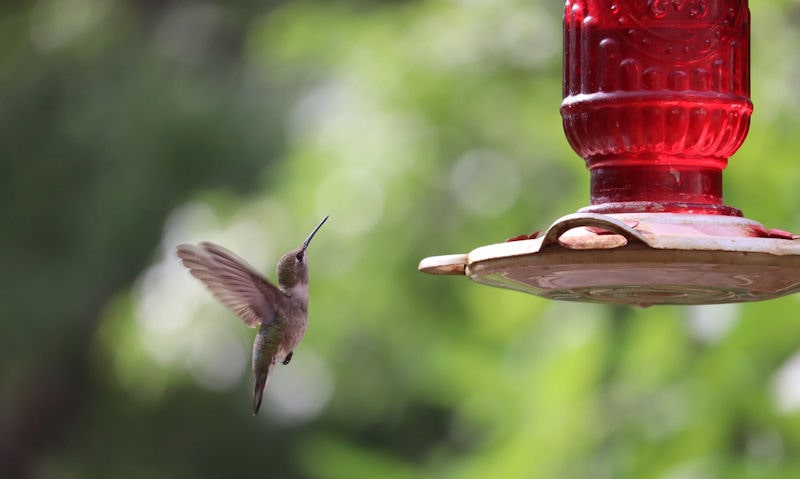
x,y
233,282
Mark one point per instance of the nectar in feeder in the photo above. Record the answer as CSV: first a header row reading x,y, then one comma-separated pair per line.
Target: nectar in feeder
x,y
656,99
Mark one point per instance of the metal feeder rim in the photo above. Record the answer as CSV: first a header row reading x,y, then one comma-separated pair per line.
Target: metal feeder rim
x,y
570,232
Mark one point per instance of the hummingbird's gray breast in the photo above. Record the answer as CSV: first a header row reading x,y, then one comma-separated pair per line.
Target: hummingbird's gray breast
x,y
296,317
295,329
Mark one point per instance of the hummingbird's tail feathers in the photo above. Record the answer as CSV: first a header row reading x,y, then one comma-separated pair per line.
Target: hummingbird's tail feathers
x,y
258,391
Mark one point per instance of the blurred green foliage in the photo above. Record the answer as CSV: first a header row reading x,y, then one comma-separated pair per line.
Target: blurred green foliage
x,y
422,128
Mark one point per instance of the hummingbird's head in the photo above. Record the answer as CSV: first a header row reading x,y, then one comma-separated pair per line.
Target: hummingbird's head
x,y
293,266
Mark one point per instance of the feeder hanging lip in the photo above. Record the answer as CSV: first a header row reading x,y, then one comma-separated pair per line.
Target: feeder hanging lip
x,y
632,259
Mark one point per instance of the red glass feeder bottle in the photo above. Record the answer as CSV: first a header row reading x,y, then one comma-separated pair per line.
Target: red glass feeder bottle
x,y
656,99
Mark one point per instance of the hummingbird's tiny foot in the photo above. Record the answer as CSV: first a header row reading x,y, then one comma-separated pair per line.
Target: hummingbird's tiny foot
x,y
287,358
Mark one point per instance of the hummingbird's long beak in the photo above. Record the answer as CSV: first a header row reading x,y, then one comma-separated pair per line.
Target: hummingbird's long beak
x,y
308,240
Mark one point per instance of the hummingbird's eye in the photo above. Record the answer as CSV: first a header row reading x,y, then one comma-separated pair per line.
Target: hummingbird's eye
x,y
299,256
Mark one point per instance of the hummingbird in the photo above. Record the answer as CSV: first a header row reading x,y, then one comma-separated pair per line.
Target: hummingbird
x,y
280,313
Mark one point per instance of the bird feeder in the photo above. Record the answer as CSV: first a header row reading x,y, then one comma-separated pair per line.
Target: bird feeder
x,y
656,98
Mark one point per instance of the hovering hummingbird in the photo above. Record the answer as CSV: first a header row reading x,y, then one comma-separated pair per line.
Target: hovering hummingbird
x,y
280,313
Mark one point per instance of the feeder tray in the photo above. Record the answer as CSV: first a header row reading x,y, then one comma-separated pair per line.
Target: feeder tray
x,y
639,258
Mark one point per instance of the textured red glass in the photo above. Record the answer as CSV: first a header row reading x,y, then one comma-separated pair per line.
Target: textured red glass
x,y
656,99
